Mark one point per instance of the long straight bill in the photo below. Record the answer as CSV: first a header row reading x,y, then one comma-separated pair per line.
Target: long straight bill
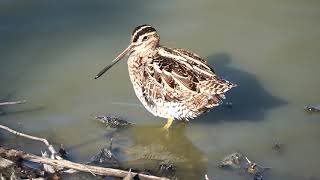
x,y
117,59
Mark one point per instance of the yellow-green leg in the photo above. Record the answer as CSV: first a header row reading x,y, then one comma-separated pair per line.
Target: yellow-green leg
x,y
169,123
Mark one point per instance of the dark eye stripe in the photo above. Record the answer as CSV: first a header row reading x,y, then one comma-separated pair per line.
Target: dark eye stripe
x,y
143,31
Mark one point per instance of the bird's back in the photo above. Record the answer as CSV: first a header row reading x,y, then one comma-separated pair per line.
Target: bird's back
x,y
176,83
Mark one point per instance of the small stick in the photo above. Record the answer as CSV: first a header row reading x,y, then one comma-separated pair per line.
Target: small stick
x,y
206,177
50,147
251,163
5,163
12,102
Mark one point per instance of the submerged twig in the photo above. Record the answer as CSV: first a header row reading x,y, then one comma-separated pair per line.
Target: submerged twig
x,y
105,156
114,122
232,160
12,102
312,108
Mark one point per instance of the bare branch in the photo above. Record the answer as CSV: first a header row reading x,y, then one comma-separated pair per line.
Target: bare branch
x,y
5,163
50,147
12,153
12,102
61,163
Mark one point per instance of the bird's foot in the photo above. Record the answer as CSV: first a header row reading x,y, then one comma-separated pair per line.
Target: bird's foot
x,y
167,125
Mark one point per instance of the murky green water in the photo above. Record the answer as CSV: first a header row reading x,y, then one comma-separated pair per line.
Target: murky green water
x,y
50,52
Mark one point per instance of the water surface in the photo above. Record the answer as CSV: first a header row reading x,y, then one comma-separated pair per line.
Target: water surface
x,y
50,52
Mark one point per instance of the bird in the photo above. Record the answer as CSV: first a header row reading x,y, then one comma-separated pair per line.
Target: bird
x,y
171,83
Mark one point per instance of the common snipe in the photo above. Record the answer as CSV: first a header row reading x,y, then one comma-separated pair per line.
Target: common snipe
x,y
171,83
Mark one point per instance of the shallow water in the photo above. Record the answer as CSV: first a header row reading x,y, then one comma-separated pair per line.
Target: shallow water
x,y
50,52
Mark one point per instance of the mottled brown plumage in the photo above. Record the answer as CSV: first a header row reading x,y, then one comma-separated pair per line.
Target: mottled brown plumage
x,y
171,83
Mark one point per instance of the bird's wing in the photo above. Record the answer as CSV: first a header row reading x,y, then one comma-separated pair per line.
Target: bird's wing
x,y
175,74
209,82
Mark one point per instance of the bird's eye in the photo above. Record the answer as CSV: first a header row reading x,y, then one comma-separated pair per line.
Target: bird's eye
x,y
145,38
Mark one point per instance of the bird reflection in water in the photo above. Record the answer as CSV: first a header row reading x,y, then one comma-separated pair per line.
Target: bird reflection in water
x,y
173,155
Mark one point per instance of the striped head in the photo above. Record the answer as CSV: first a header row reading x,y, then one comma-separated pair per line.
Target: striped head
x,y
143,37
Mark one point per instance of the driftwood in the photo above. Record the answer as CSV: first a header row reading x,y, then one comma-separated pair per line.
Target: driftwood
x,y
58,162
13,154
5,163
12,103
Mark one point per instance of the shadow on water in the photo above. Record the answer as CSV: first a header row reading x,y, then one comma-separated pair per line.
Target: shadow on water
x,y
250,101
